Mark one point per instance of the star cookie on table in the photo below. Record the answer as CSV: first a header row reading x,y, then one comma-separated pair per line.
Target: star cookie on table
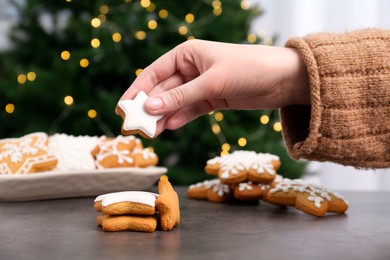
x,y
168,205
136,119
26,154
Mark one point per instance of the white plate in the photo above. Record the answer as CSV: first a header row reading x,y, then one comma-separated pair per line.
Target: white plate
x,y
55,185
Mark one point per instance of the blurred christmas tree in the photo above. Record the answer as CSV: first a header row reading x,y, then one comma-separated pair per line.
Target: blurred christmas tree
x,y
72,59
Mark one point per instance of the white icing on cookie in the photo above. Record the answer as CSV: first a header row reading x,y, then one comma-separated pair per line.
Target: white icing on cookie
x,y
215,160
110,148
146,153
317,194
142,197
24,153
221,189
204,184
245,186
241,160
136,117
73,152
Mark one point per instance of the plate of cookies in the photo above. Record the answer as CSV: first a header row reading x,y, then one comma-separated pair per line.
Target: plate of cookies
x,y
38,166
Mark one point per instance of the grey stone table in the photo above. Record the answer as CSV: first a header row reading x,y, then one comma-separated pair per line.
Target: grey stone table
x,y
66,229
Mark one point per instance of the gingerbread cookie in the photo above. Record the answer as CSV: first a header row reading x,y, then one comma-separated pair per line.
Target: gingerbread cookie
x,y
219,193
167,205
128,202
211,190
309,198
241,166
129,223
249,191
213,165
199,190
136,119
26,154
117,152
144,157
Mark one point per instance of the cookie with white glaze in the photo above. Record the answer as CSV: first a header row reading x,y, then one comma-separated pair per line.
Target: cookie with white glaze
x,y
248,191
199,190
220,193
116,152
309,198
144,157
241,166
128,202
27,154
136,120
213,165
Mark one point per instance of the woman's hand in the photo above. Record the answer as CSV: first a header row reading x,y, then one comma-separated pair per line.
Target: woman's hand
x,y
198,77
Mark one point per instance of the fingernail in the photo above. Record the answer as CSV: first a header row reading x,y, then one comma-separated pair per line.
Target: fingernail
x,y
154,103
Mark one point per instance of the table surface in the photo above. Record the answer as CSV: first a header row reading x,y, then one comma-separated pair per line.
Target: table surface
x,y
66,229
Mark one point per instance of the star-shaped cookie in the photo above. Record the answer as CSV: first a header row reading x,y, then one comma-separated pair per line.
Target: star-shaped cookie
x,y
136,119
26,154
168,205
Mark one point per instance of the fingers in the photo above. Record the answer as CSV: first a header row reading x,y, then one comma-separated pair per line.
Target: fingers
x,y
173,81
188,114
174,99
192,112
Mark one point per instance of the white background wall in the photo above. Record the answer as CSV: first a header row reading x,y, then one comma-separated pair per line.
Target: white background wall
x,y
288,18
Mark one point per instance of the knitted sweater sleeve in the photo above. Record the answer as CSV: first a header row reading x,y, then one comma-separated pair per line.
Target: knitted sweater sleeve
x,y
348,121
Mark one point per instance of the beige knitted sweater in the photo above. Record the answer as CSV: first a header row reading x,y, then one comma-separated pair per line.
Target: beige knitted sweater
x,y
348,121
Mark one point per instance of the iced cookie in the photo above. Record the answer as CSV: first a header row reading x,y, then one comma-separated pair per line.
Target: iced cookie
x,y
136,119
309,198
26,154
248,191
117,152
211,190
199,190
144,157
213,165
167,205
219,193
128,202
264,167
242,166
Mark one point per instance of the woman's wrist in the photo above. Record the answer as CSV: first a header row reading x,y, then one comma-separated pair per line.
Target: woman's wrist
x,y
295,86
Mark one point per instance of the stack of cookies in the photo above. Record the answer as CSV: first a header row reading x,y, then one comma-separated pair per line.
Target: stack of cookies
x,y
251,176
139,210
242,175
